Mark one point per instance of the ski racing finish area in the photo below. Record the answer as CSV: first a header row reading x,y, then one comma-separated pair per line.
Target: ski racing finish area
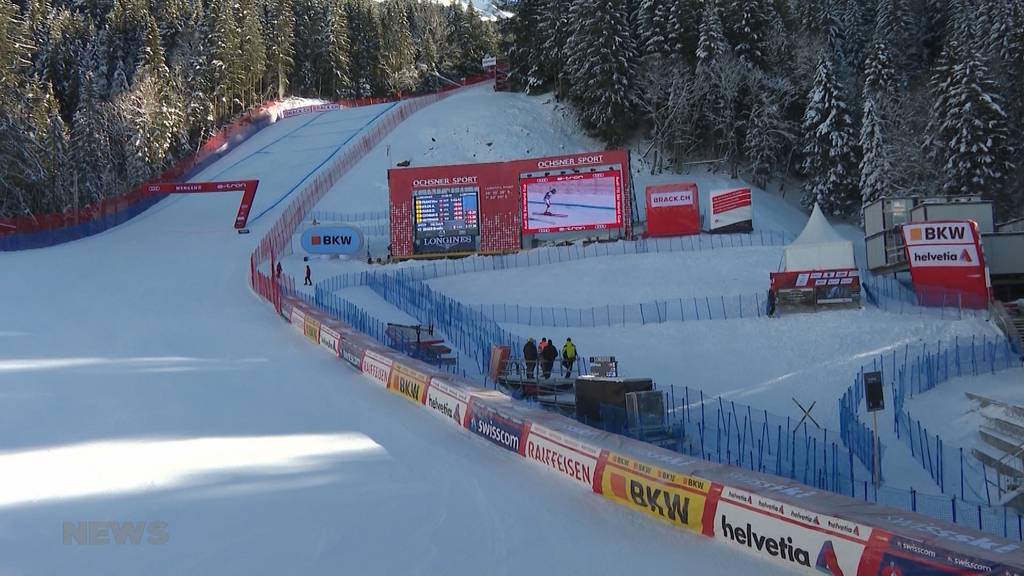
x,y
157,418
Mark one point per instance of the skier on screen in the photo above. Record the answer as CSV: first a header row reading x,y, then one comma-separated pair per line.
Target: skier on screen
x,y
547,201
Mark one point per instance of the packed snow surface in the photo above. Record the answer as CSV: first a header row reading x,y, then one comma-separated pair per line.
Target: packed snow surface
x,y
142,381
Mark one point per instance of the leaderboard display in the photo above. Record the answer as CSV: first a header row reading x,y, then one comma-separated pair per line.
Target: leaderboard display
x,y
446,220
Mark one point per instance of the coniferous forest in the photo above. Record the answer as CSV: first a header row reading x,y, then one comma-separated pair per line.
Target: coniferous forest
x,y
97,96
855,98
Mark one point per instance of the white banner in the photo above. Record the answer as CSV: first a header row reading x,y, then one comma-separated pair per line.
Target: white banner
x,y
377,367
311,108
330,340
298,320
680,198
565,456
943,256
449,402
937,233
787,535
488,61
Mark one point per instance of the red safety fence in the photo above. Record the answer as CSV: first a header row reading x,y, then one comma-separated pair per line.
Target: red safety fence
x,y
116,204
277,242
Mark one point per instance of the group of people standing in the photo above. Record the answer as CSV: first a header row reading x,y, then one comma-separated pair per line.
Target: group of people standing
x,y
546,353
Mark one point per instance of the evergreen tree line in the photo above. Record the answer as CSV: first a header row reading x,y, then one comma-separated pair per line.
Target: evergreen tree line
x,y
97,96
860,98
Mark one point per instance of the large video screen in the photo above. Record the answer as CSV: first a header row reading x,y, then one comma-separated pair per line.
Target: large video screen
x,y
571,202
446,219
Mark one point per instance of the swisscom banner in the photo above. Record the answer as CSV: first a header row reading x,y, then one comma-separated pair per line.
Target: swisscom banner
x,y
502,430
947,263
789,536
673,209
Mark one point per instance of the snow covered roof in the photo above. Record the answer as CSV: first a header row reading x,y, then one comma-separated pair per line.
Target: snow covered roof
x,y
819,247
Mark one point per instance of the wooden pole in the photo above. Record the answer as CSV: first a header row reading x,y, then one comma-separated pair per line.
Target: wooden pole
x,y
876,473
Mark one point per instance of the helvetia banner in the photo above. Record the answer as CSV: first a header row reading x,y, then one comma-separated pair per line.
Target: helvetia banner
x,y
789,536
449,402
673,209
681,500
947,263
731,211
330,339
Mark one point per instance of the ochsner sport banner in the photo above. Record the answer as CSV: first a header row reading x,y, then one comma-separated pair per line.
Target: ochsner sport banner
x,y
789,536
946,262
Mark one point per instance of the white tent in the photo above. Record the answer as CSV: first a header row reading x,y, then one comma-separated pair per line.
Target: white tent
x,y
819,247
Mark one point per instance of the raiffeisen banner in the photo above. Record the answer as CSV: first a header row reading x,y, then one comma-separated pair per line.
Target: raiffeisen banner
x,y
947,263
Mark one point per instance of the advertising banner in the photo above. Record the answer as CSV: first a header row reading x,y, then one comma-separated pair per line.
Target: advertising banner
x,y
572,202
563,455
731,211
432,207
247,187
334,240
789,536
377,366
325,107
499,360
946,263
409,383
816,287
352,354
330,339
673,209
311,329
486,422
449,402
298,320
681,500
891,555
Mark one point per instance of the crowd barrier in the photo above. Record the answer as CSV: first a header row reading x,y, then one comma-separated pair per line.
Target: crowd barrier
x,y
277,242
26,232
349,217
687,309
889,294
782,522
964,481
789,524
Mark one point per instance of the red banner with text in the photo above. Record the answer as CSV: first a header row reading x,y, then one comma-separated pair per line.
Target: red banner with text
x,y
947,263
673,209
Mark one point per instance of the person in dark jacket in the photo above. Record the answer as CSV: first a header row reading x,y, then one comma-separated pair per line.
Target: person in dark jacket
x,y
279,270
568,356
547,359
309,280
530,356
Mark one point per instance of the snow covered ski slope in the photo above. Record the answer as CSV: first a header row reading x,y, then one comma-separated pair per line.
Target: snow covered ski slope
x,y
157,418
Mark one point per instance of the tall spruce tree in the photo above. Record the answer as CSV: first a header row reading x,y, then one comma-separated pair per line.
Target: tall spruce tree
x,y
968,132
829,153
603,68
